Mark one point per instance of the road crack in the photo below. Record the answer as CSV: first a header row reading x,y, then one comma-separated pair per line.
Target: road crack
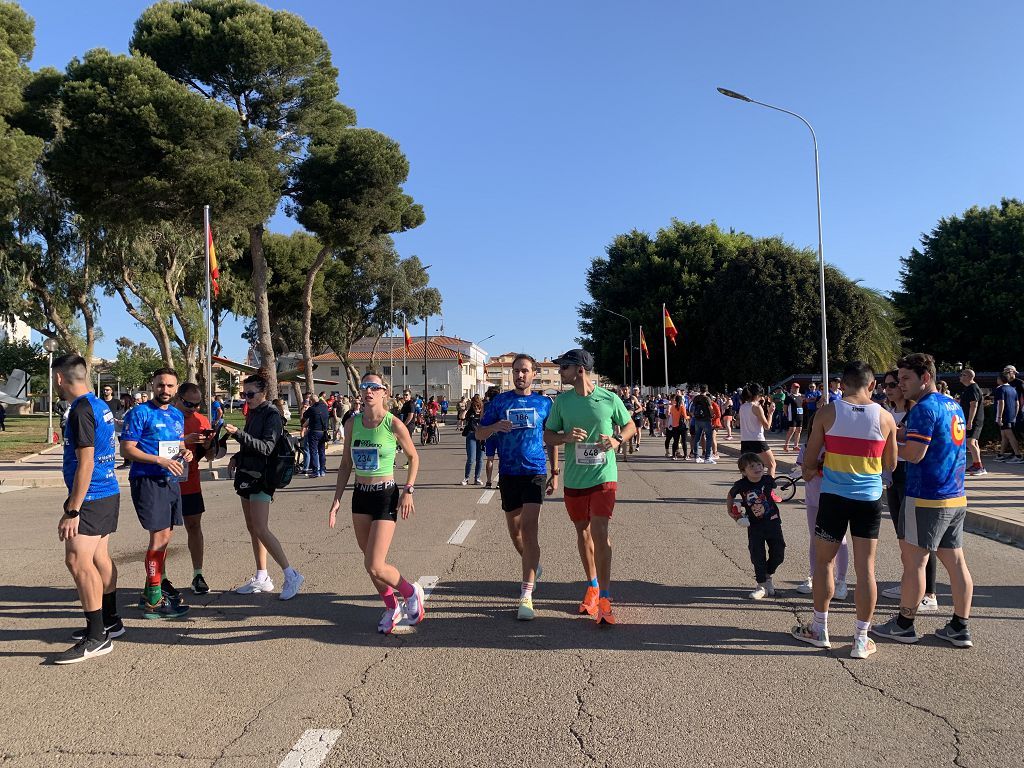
x,y
582,726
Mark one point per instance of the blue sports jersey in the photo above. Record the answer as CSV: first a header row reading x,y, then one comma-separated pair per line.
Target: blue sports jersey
x,y
154,429
91,425
522,449
937,421
811,400
1008,396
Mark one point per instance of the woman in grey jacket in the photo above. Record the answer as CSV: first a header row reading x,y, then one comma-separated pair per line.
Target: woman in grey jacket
x,y
256,442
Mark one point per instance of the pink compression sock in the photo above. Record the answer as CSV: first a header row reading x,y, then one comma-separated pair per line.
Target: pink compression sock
x,y
405,588
389,598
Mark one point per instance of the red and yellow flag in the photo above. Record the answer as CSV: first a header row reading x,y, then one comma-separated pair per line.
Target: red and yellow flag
x,y
408,338
643,345
214,269
670,329
459,353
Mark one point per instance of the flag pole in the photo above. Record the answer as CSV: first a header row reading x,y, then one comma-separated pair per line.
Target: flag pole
x,y
625,381
209,314
664,344
641,362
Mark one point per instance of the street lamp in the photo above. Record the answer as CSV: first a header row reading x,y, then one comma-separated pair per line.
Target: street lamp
x,y
629,345
821,256
51,346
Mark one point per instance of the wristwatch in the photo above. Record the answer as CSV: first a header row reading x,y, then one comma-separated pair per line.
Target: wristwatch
x,y
72,513
409,489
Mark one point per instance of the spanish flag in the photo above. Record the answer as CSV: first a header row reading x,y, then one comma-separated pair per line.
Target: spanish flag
x,y
408,338
459,353
214,270
643,345
670,329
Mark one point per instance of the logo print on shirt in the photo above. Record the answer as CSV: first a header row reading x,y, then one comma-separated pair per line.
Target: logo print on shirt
x,y
958,429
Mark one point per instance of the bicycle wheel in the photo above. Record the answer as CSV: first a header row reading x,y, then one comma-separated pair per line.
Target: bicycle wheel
x,y
786,486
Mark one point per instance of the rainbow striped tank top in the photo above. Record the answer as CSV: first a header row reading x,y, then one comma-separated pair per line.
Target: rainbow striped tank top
x,y
853,452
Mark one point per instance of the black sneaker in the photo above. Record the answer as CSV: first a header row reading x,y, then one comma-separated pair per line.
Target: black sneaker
x,y
199,585
168,589
113,630
961,638
84,650
176,599
165,609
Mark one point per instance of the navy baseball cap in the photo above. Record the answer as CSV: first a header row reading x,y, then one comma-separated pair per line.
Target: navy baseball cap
x,y
578,357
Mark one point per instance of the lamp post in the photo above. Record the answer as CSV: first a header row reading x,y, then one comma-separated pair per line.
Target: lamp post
x,y
629,345
51,346
821,256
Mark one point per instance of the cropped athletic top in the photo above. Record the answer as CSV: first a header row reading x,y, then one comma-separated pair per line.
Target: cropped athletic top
x,y
373,450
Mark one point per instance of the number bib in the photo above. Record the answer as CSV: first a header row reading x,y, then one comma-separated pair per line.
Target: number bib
x,y
799,411
171,449
366,459
590,454
522,418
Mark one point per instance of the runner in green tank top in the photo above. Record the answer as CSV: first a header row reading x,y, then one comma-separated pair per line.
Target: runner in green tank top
x,y
370,447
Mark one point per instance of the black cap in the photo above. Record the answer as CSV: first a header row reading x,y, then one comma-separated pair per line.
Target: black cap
x,y
577,357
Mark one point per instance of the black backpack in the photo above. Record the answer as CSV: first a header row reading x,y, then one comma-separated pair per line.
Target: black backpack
x,y
701,408
281,463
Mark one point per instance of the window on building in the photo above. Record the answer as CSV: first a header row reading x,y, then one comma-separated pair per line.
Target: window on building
x,y
335,371
387,370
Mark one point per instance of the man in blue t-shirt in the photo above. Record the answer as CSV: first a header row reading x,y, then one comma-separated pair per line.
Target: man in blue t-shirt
x,y
90,510
153,440
932,516
515,421
1007,405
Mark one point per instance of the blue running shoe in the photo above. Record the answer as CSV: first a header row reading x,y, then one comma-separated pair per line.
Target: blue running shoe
x,y
961,639
891,630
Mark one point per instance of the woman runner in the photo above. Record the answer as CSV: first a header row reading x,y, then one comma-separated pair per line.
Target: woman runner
x,y
370,446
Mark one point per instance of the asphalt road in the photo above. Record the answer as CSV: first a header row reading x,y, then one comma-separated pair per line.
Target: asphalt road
x,y
695,674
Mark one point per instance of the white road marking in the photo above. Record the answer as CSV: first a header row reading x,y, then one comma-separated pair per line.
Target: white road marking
x,y
428,583
486,497
461,532
311,750
12,488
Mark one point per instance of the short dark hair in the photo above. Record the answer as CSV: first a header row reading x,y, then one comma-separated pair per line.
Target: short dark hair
x,y
524,356
71,366
857,374
189,386
918,362
750,392
258,381
747,459
164,372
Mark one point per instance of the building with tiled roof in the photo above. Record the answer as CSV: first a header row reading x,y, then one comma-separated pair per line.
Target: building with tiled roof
x,y
453,366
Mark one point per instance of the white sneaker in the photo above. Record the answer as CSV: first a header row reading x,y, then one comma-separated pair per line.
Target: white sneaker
x,y
292,585
479,481
759,593
769,587
414,608
466,481
390,618
698,460
928,605
842,590
710,461
892,593
805,587
255,585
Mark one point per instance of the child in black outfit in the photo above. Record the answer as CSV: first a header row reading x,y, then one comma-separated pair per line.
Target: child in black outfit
x,y
754,490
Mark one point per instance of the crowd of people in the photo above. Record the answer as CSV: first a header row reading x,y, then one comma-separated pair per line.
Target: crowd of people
x,y
906,441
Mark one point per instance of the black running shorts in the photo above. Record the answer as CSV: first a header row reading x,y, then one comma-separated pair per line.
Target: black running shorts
x,y
99,516
837,513
379,501
517,490
157,502
754,446
192,504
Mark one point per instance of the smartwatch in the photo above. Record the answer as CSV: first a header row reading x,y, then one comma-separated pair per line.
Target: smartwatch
x,y
72,513
409,489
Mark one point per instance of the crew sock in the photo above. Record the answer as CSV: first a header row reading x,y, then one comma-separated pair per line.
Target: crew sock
x,y
820,621
94,620
261,575
388,596
957,623
904,622
593,583
197,572
604,594
110,608
405,588
861,628
290,573
527,593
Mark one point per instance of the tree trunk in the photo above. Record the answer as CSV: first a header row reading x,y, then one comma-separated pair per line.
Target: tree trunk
x,y
268,360
307,314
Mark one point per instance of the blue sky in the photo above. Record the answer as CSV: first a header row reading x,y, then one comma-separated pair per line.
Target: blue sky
x,y
537,131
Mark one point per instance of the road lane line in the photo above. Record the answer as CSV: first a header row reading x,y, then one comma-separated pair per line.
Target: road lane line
x,y
312,749
486,497
12,488
461,532
428,583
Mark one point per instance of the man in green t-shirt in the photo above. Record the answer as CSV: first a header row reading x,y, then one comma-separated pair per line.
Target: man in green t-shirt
x,y
583,419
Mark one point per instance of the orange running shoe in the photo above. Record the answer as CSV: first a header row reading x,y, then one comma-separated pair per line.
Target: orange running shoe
x,y
604,611
589,604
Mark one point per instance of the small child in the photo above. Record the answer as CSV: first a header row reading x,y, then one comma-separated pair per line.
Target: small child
x,y
765,531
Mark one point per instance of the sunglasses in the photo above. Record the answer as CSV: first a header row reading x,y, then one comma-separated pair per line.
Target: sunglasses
x,y
373,386
189,404
249,395
891,385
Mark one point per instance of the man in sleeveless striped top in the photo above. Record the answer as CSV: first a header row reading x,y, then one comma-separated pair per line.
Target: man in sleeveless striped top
x,y
859,437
